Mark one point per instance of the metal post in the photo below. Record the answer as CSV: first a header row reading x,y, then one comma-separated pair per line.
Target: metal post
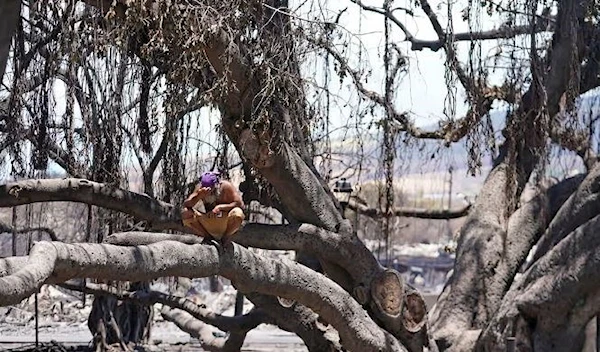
x,y
239,304
597,333
37,321
14,231
450,169
511,344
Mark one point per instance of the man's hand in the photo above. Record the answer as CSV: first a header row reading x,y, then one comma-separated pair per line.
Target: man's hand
x,y
199,193
202,191
219,208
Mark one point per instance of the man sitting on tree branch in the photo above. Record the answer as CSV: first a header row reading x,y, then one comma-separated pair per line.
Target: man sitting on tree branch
x,y
214,209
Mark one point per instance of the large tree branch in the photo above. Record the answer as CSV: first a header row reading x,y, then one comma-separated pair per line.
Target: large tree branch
x,y
527,224
582,206
53,262
421,213
302,238
224,323
160,215
403,311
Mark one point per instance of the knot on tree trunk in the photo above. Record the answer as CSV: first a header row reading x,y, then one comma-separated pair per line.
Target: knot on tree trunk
x,y
256,149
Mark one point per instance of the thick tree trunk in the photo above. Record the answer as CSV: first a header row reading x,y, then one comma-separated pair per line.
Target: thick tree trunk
x,y
550,306
10,12
483,270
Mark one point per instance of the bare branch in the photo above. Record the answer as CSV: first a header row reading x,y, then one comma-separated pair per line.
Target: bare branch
x,y
420,213
450,131
503,32
160,215
4,227
224,323
469,84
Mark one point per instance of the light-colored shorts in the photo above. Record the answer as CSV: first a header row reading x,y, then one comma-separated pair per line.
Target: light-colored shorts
x,y
215,224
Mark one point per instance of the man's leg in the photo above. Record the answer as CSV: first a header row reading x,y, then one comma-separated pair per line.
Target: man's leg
x,y
190,220
235,217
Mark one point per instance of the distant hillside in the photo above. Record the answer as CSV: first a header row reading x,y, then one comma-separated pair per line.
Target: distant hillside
x,y
422,167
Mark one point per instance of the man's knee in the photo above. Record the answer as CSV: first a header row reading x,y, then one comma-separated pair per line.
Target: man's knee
x,y
187,213
236,214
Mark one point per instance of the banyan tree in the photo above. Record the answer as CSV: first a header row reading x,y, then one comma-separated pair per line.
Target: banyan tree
x,y
114,96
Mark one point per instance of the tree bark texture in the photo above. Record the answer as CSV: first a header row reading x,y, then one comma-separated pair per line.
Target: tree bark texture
x,y
496,236
52,262
10,12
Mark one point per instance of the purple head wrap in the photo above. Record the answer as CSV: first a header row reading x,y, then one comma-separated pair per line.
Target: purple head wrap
x,y
209,179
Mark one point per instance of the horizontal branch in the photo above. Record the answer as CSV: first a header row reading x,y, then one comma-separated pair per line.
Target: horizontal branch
x,y
204,332
421,213
4,227
159,215
503,32
224,323
55,262
304,238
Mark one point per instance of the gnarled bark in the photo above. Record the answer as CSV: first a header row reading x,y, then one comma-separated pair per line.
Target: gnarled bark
x,y
550,306
581,207
481,279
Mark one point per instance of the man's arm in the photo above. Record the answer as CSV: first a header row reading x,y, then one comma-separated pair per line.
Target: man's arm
x,y
198,194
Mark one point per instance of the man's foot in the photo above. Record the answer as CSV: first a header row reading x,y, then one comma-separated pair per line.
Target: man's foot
x,y
211,241
227,240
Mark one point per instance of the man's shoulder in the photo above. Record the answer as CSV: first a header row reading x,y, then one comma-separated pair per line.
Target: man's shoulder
x,y
227,184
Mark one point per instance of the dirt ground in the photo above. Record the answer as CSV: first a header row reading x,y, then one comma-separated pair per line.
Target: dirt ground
x,y
63,326
165,336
